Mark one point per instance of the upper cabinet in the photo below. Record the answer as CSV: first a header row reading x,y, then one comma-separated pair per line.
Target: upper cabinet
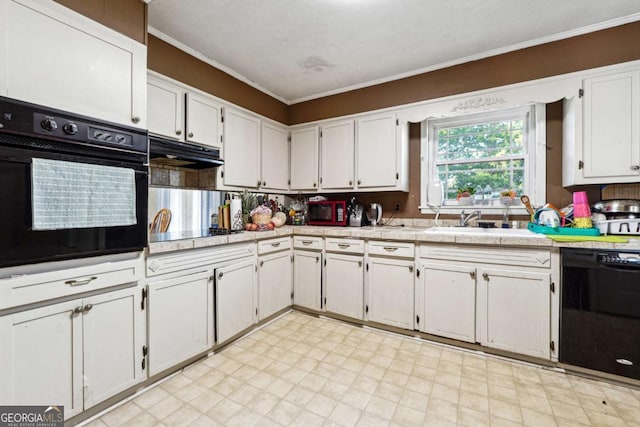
x,y
602,130
337,155
241,150
304,159
274,157
182,115
59,58
381,156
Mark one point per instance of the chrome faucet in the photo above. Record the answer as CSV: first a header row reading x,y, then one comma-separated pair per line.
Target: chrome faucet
x,y
465,218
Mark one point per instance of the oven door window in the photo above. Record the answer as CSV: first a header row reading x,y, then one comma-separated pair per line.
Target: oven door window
x,y
20,244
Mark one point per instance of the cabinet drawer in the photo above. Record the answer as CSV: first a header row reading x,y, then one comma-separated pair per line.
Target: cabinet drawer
x,y
345,245
32,288
307,242
525,257
394,249
274,245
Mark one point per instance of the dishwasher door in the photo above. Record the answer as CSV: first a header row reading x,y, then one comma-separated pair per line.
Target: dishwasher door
x,y
600,316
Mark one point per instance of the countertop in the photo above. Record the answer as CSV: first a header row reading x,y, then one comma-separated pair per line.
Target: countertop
x,y
168,242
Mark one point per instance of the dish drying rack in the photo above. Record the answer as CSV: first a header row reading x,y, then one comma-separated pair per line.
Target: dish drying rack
x,y
626,226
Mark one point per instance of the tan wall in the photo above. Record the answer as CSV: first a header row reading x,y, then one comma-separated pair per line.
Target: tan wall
x,y
610,46
174,63
128,17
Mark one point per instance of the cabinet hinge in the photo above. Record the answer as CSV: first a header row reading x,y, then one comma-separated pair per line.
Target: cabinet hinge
x,y
553,288
325,262
367,266
320,134
366,308
291,295
288,182
256,311
417,272
222,118
580,93
289,138
320,180
552,346
222,174
580,164
397,175
220,139
325,301
291,258
144,297
417,319
144,356
397,122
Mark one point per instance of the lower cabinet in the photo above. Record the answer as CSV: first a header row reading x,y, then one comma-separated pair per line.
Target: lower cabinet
x,y
514,309
274,283
344,284
390,289
236,296
77,353
180,319
449,300
307,279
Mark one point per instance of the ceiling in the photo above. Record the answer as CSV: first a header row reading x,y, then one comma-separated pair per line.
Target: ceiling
x,y
297,50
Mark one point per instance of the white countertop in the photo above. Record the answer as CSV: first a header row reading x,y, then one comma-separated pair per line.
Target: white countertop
x,y
476,236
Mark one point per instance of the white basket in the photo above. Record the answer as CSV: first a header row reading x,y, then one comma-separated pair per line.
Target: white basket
x,y
619,226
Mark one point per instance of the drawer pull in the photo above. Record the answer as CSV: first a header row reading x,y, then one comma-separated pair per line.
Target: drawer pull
x,y
275,245
343,245
485,276
77,310
80,282
472,274
390,248
87,308
307,242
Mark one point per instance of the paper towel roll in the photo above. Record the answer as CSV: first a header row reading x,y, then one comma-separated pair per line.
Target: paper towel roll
x,y
236,215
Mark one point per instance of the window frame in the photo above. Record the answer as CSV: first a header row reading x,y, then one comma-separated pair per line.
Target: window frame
x,y
534,133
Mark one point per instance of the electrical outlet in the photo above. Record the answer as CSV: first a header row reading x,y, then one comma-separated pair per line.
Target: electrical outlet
x,y
396,206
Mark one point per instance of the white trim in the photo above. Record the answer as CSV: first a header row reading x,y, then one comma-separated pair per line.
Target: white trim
x,y
196,54
486,54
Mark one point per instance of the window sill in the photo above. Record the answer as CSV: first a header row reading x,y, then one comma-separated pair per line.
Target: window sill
x,y
486,210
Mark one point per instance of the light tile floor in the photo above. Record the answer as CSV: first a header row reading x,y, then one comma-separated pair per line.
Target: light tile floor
x,y
305,371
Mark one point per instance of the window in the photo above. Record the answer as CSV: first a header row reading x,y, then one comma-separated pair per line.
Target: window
x,y
478,159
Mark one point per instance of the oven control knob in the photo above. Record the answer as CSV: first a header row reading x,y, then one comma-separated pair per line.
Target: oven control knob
x,y
70,128
49,124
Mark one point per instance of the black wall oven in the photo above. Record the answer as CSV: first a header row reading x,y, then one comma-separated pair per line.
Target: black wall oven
x,y
70,186
600,316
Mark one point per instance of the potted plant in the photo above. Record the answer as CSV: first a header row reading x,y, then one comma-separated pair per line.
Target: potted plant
x,y
465,195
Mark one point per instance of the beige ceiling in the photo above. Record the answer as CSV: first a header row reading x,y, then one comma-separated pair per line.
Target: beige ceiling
x,y
303,49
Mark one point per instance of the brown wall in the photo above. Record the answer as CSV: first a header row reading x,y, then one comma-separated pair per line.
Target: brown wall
x,y
128,17
600,48
174,63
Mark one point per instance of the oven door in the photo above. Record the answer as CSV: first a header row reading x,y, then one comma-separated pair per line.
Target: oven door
x,y
20,244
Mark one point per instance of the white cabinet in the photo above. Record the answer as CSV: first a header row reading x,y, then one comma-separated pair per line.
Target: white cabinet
x,y
449,300
241,149
514,311
59,58
344,291
274,283
307,278
390,289
337,155
180,318
274,157
94,350
379,152
180,114
203,120
602,130
304,158
236,298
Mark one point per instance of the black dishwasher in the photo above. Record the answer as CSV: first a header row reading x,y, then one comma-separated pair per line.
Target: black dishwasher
x,y
600,316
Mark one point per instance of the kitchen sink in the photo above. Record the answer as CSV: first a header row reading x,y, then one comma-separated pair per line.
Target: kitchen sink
x,y
478,231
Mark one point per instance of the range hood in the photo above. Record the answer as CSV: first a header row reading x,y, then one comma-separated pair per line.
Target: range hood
x,y
178,154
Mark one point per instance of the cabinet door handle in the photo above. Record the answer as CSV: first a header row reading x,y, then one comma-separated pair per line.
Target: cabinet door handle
x,y
315,185
343,245
307,242
135,119
411,268
317,259
264,183
87,308
350,182
77,310
472,274
635,168
485,276
261,263
390,248
359,182
178,132
190,135
259,183
275,245
220,275
80,282
359,263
